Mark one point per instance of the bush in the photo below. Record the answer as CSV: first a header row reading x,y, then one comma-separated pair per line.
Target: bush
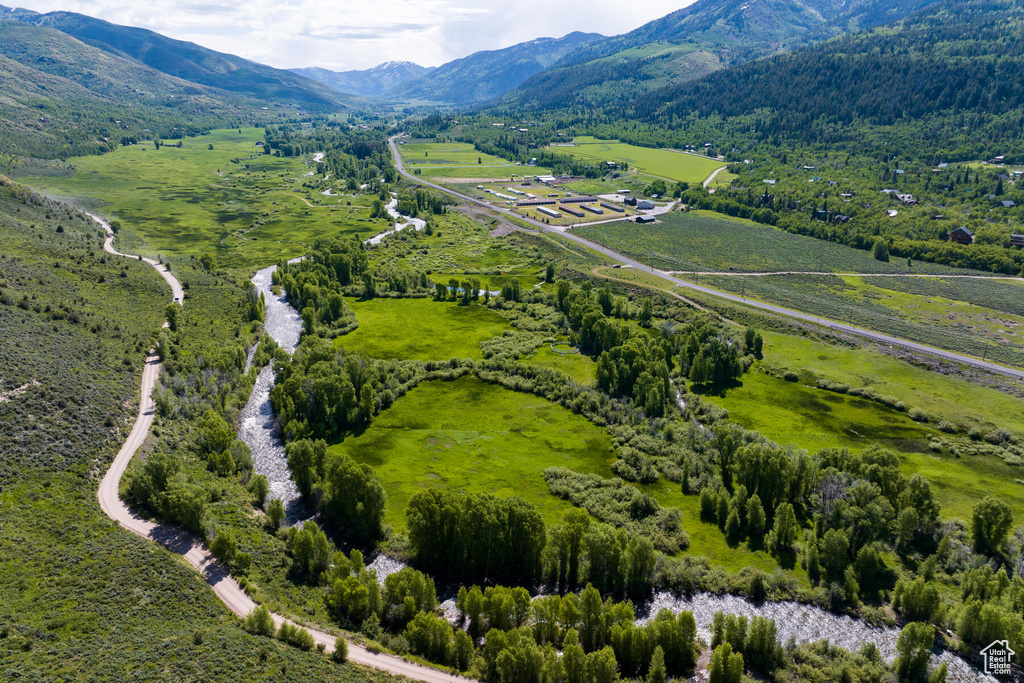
x,y
791,376
295,636
918,415
948,427
260,622
340,653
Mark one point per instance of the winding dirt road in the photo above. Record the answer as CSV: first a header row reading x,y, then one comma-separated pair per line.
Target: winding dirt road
x,y
735,298
183,543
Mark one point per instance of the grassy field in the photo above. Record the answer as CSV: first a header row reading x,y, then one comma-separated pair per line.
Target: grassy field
x,y
656,162
458,160
950,324
811,418
477,437
420,329
706,241
233,202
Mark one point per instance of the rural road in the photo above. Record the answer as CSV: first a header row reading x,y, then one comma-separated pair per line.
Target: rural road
x,y
711,178
769,273
824,322
183,543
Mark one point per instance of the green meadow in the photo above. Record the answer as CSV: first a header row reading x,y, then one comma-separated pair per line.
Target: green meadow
x,y
480,438
231,201
793,413
420,329
662,163
458,160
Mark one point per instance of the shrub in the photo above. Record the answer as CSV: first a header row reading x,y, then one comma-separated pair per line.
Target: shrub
x,y
791,376
948,427
340,653
260,622
918,415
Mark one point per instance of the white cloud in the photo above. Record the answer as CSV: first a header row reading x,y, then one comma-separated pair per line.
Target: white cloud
x,y
358,34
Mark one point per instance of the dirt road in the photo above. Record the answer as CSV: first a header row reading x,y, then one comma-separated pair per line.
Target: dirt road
x,y
183,543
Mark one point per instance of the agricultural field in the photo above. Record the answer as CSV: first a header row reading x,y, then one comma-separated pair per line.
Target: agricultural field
x,y
704,241
232,202
660,163
447,160
956,325
420,329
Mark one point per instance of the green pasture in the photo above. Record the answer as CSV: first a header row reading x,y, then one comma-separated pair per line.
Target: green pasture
x,y
420,329
705,241
578,366
793,413
941,396
458,160
480,438
233,202
662,163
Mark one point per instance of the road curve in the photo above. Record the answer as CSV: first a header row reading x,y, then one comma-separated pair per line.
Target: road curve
x,y
183,543
824,322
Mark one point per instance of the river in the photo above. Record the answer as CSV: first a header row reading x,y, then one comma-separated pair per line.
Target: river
x,y
804,623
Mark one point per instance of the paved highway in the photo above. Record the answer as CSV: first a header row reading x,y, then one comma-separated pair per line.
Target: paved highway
x,y
824,322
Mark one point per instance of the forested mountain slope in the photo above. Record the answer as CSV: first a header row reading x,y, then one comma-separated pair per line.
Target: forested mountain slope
x,y
61,97
951,70
695,41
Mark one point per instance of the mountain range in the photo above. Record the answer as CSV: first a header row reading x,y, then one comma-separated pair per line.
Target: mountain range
x,y
368,82
184,60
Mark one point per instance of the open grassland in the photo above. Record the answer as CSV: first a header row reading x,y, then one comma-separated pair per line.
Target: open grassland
x,y
420,329
80,598
458,160
687,168
232,202
793,413
959,326
942,397
479,438
706,241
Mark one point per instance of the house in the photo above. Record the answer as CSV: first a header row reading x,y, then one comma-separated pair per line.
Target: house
x,y
848,195
630,201
892,213
769,182
1009,204
938,217
646,220
645,205
546,179
259,143
997,160
841,219
1002,176
907,199
1017,240
961,235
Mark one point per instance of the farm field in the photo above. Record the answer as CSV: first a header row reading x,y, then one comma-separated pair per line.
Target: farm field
x,y
705,241
812,419
955,325
661,163
420,329
233,202
477,437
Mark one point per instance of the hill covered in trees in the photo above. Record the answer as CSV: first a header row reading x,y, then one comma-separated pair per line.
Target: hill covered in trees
x,y
695,41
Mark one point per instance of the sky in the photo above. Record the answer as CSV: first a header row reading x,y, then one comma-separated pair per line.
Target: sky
x,y
359,34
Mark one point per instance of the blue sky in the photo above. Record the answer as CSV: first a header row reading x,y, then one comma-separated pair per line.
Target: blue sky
x,y
358,34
